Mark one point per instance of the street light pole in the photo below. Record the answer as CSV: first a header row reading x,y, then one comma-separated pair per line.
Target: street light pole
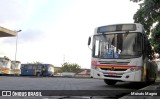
x,y
16,42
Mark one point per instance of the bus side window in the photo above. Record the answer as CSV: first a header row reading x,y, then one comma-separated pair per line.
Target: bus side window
x,y
143,45
34,66
30,67
39,67
25,67
22,66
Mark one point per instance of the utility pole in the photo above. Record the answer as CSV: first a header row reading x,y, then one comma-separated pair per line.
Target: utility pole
x,y
16,43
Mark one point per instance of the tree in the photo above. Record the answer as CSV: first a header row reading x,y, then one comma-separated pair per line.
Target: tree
x,y
136,0
149,16
70,67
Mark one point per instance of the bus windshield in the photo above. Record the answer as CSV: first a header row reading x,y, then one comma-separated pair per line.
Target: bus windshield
x,y
117,45
3,62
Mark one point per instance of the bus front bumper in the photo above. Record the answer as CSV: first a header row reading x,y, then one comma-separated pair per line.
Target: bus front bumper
x,y
119,76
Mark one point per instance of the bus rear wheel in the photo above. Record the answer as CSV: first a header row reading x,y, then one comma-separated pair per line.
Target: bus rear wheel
x,y
110,82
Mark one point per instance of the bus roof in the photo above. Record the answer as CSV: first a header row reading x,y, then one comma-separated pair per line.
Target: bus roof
x,y
16,61
4,58
6,32
38,64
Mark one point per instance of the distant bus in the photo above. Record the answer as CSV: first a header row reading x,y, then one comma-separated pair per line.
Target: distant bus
x,y
8,67
36,70
5,66
16,67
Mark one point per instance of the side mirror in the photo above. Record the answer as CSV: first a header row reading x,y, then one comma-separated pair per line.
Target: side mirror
x,y
89,41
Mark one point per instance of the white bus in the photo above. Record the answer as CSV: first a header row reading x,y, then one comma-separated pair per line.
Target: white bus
x,y
122,52
5,66
8,67
15,68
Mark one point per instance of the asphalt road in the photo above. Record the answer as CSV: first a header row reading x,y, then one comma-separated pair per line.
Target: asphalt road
x,y
67,88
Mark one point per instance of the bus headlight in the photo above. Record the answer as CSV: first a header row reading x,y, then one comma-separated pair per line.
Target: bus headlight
x,y
135,68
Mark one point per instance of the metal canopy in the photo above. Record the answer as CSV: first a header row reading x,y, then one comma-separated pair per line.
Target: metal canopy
x,y
6,32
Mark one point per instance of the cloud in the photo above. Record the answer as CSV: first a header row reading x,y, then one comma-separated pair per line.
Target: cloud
x,y
12,12
31,35
25,37
16,14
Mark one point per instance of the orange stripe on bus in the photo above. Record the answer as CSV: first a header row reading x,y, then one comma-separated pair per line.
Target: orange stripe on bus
x,y
115,66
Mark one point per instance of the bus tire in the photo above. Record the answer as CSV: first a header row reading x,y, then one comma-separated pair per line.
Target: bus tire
x,y
110,82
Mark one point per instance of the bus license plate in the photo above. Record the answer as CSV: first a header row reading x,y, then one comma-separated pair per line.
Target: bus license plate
x,y
112,74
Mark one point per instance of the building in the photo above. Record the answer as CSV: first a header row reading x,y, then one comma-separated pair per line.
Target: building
x,y
6,32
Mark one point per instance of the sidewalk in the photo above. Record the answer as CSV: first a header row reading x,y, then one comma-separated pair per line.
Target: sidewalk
x,y
149,92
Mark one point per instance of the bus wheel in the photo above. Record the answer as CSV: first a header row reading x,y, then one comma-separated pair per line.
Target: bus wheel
x,y
110,82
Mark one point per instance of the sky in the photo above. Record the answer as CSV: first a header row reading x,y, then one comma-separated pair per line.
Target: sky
x,y
57,31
